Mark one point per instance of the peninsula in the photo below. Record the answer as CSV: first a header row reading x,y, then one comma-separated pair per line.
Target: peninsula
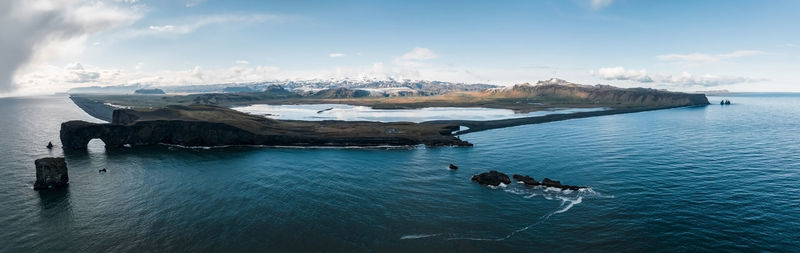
x,y
203,119
205,125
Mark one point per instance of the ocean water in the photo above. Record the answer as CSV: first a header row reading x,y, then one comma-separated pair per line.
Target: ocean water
x,y
713,178
316,112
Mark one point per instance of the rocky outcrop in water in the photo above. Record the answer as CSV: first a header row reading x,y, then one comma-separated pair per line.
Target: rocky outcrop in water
x,y
202,125
453,167
51,172
492,178
527,180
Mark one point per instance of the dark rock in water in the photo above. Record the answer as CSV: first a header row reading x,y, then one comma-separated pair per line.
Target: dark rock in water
x,y
102,170
49,144
557,184
453,167
552,183
491,178
51,172
525,179
325,110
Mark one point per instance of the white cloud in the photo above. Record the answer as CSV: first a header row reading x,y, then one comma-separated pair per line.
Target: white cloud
x,y
242,62
336,55
193,3
684,79
38,31
706,80
163,28
620,73
599,4
186,27
697,58
419,54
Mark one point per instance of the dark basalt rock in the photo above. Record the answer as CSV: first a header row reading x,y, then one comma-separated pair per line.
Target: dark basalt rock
x,y
551,183
49,145
453,167
557,184
51,172
493,178
526,179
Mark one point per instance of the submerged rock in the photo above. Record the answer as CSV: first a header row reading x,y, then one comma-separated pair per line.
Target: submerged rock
x,y
453,167
51,172
493,178
551,183
527,180
557,184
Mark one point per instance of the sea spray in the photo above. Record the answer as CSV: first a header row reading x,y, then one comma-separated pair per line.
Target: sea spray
x,y
568,199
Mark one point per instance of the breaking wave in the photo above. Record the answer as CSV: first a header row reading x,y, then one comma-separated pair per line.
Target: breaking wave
x,y
568,198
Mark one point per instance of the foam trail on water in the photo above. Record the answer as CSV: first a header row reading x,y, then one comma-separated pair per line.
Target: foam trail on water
x,y
566,204
571,203
417,236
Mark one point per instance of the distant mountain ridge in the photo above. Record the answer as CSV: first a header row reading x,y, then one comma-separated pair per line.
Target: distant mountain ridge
x,y
562,91
388,87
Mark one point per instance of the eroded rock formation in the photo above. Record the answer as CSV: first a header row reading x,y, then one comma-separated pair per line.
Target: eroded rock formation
x,y
527,180
51,172
492,177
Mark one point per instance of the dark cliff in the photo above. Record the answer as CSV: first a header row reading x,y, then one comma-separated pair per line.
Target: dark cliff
x,y
215,126
556,90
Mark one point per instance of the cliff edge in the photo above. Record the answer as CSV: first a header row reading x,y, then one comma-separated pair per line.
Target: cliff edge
x,y
203,125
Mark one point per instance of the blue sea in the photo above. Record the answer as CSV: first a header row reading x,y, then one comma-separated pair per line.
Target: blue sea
x,y
711,178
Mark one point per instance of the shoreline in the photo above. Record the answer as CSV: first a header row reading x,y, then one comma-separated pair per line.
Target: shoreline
x,y
483,125
101,110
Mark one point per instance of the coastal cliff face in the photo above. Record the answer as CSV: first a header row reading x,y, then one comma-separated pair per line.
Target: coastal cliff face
x,y
51,172
556,90
215,126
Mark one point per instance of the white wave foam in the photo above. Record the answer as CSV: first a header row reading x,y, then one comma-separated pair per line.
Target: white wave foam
x,y
417,236
570,205
568,200
515,191
502,185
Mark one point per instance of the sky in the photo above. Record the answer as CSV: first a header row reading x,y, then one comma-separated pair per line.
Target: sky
x,y
52,45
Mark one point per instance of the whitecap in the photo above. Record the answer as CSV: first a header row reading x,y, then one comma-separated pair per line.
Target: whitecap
x,y
417,236
570,205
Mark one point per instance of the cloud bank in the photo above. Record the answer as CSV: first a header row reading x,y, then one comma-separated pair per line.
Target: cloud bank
x,y
683,79
698,58
51,28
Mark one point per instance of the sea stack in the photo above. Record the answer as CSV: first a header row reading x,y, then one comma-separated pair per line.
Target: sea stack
x,y
492,178
49,145
51,172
